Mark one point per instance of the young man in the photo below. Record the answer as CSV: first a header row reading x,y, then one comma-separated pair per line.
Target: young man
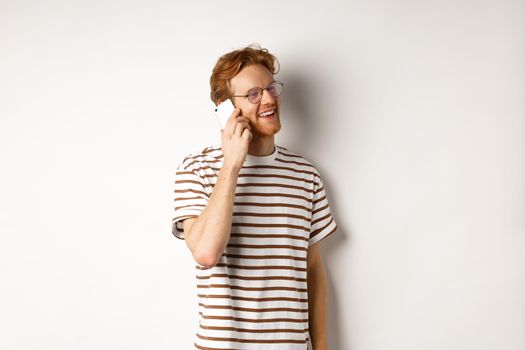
x,y
251,213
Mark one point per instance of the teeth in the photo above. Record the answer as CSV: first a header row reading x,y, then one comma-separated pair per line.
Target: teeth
x,y
266,113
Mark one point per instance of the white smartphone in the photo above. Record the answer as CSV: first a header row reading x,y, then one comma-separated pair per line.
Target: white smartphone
x,y
223,112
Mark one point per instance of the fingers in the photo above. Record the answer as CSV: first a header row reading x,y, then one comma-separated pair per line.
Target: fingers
x,y
239,122
240,127
230,123
237,126
236,112
246,134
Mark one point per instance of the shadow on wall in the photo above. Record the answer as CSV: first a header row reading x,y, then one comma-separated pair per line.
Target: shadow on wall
x,y
337,329
301,103
298,108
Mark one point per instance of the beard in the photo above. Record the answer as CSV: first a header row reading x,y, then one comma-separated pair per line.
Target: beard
x,y
266,128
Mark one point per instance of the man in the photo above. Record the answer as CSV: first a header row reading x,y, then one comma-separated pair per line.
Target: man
x,y
251,213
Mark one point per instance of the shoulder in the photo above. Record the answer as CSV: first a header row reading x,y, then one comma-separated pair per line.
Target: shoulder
x,y
297,160
202,156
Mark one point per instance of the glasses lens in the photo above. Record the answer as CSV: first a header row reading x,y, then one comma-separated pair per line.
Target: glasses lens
x,y
254,95
275,88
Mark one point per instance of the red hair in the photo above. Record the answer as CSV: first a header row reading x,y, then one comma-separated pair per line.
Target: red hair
x,y
231,63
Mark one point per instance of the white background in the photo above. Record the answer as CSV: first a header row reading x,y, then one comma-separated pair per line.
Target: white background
x,y
413,112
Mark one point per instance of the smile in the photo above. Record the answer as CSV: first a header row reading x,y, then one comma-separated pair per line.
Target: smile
x,y
267,114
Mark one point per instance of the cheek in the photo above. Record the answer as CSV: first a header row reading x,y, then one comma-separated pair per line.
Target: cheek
x,y
250,112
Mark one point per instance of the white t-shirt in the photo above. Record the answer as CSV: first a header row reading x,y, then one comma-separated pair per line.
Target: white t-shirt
x,y
256,297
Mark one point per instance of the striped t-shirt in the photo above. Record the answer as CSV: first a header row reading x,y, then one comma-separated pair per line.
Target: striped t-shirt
x,y
256,296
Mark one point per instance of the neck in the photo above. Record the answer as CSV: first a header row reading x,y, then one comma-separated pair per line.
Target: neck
x,y
261,146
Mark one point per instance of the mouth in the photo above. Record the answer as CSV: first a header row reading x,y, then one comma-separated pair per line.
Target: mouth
x,y
269,114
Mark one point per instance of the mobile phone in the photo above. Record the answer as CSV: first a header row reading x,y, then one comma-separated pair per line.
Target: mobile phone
x,y
223,112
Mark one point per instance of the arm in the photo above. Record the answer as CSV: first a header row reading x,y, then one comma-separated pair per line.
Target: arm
x,y
208,234
317,299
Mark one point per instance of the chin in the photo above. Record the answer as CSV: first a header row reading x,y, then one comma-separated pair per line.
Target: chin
x,y
268,130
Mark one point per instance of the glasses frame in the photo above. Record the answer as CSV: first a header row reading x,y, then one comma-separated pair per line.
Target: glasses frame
x,y
262,91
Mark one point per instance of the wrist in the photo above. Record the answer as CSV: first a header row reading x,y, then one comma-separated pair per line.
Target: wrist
x,y
231,169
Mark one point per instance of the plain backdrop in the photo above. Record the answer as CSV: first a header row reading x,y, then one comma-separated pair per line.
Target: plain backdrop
x,y
413,112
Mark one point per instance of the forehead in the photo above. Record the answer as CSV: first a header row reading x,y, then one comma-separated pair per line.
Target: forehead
x,y
255,75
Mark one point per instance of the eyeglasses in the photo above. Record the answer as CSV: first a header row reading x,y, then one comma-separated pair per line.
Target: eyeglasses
x,y
255,95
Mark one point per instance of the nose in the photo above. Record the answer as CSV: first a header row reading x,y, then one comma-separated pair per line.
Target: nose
x,y
267,98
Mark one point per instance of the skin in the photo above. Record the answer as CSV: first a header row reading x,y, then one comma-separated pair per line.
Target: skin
x,y
263,130
246,133
317,299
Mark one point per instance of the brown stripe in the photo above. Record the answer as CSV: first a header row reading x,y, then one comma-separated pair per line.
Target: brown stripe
x,y
252,278
316,232
264,257
178,218
294,162
211,149
190,205
278,176
335,229
207,160
276,205
248,224
255,235
191,191
321,218
247,267
319,190
210,176
320,209
259,184
290,155
204,348
255,289
256,320
181,181
211,185
263,341
190,172
300,171
266,246
188,198
247,330
220,156
246,309
195,182
198,159
319,200
272,215
232,297
207,167
275,195
241,174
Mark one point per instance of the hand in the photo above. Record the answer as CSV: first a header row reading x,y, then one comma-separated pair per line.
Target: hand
x,y
235,139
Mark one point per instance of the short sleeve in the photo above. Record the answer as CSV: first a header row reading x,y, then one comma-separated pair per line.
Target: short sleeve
x,y
191,197
322,222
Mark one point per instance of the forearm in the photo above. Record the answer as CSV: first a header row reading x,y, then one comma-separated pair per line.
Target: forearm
x,y
210,233
317,304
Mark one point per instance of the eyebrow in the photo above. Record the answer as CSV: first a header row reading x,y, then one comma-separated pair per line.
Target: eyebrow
x,y
256,87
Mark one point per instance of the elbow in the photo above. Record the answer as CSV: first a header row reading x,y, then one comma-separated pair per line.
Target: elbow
x,y
207,260
203,254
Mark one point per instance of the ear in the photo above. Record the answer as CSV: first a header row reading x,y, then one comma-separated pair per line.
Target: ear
x,y
233,103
